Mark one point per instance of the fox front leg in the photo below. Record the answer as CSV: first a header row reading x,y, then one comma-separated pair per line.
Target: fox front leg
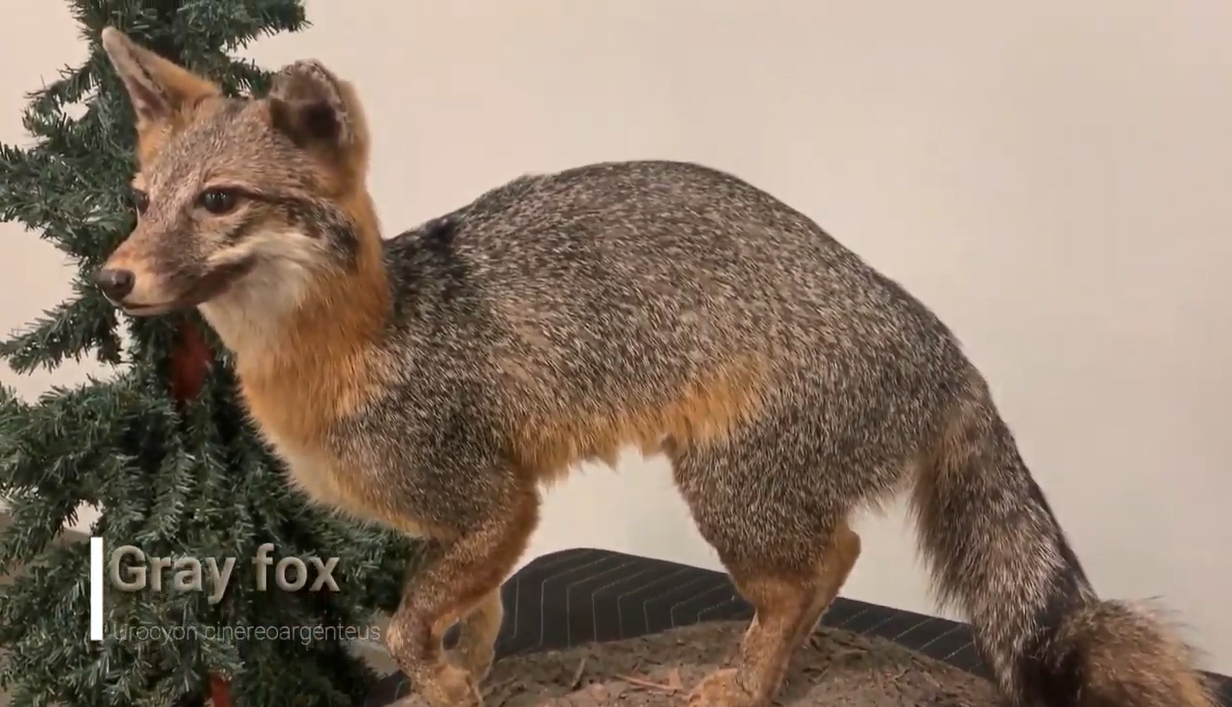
x,y
476,645
458,580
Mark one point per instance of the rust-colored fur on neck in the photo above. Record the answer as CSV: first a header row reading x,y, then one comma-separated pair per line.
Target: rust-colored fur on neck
x,y
286,333
304,292
266,322
306,337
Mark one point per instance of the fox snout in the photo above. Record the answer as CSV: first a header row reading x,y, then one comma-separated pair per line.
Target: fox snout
x,y
133,282
148,274
115,283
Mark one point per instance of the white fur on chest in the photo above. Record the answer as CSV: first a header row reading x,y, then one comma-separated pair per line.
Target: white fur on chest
x,y
331,483
247,315
317,475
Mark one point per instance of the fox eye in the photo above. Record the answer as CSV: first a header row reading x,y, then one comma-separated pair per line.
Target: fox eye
x,y
141,201
218,201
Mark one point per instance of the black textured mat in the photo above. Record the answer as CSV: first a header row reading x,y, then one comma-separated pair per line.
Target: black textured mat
x,y
577,596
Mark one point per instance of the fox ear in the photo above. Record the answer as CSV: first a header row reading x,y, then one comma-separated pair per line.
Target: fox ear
x,y
321,113
159,90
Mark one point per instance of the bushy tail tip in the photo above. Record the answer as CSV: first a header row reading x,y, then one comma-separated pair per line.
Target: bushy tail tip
x,y
1122,656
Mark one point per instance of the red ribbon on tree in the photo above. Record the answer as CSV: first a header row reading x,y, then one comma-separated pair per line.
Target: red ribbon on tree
x,y
190,364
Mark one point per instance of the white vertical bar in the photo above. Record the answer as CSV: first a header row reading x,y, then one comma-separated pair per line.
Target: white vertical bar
x,y
96,588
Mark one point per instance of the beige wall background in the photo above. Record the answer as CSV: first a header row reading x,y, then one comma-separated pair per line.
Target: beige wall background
x,y
1053,179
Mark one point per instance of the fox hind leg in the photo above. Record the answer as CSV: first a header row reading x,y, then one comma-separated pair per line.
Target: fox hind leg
x,y
788,607
787,548
831,576
835,568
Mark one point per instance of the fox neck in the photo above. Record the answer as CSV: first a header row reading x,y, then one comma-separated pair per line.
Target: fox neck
x,y
289,317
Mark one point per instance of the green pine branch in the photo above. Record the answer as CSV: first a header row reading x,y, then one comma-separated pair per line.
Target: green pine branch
x,y
195,481
69,330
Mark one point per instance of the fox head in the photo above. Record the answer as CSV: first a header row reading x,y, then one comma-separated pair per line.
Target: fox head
x,y
243,203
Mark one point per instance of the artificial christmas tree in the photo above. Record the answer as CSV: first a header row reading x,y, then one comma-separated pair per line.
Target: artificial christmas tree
x,y
161,448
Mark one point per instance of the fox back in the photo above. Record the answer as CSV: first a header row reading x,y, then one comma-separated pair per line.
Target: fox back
x,y
638,302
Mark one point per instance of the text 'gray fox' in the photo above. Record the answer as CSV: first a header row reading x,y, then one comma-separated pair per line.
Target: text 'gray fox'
x,y
434,381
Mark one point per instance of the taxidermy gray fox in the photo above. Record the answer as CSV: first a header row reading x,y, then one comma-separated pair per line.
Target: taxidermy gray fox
x,y
436,380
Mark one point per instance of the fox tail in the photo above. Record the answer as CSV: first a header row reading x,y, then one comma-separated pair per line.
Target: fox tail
x,y
997,551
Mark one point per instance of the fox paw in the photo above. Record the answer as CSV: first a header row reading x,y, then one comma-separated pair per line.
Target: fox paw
x,y
444,685
476,660
722,689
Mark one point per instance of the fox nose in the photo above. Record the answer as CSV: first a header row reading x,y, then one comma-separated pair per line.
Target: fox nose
x,y
115,284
